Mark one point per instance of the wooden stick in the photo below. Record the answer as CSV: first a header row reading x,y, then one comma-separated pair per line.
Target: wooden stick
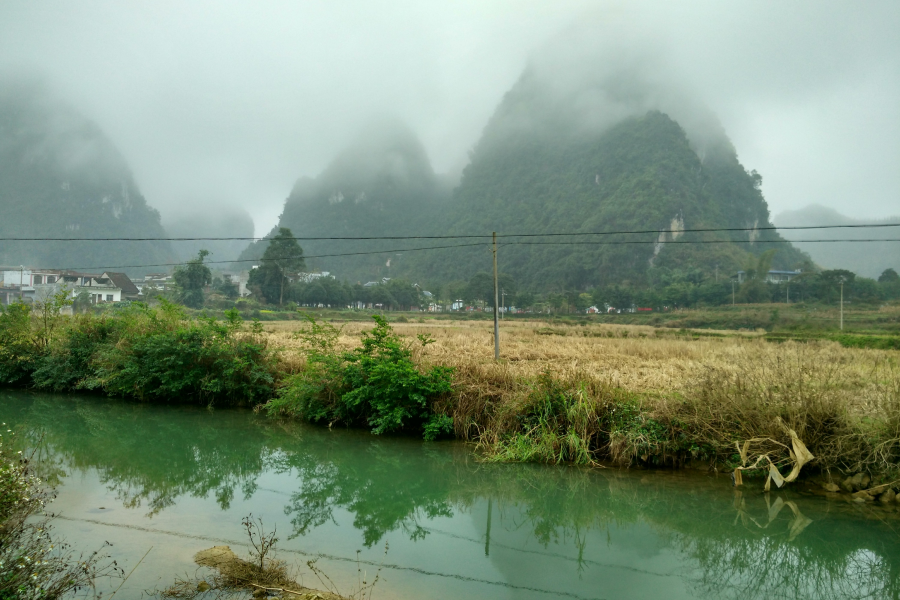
x,y
132,571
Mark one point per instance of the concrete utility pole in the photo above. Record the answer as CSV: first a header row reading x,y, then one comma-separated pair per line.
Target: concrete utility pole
x,y
842,303
496,302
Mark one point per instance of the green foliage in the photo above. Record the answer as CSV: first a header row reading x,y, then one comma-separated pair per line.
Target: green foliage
x,y
142,353
18,350
889,276
191,279
557,424
282,259
226,288
376,384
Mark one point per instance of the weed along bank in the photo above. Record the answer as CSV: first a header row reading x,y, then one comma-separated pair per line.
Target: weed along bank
x,y
409,442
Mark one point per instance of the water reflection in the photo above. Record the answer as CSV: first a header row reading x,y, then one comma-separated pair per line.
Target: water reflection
x,y
656,526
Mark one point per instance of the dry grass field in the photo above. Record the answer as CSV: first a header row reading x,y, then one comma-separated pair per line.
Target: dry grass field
x,y
626,394
844,403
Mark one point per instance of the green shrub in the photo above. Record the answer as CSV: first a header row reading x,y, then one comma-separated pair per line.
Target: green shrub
x,y
377,384
139,352
69,362
162,356
18,350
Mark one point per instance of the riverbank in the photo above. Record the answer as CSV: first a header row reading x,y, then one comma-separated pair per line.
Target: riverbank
x,y
639,395
581,393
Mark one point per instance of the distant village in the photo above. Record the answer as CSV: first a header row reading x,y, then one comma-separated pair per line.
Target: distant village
x,y
25,284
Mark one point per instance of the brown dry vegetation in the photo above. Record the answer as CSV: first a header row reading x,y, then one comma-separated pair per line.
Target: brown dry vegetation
x,y
555,393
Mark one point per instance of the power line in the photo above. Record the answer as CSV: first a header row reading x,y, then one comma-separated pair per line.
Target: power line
x,y
624,242
401,250
256,260
444,237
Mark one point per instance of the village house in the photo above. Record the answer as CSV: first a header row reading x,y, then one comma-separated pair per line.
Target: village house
x,y
773,276
28,285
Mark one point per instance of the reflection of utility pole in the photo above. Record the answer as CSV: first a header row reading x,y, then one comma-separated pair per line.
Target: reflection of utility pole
x,y
503,301
496,308
487,533
732,292
717,273
787,288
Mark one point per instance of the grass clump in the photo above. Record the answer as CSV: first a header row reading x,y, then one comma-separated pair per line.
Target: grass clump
x,y
769,398
554,424
263,574
376,384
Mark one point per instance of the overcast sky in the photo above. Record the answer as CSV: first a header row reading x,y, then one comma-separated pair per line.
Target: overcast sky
x,y
229,103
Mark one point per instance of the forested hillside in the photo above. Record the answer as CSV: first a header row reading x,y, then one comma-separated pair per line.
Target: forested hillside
x,y
381,185
61,177
542,166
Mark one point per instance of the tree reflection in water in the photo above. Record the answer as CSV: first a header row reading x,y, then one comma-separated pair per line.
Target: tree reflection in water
x,y
751,545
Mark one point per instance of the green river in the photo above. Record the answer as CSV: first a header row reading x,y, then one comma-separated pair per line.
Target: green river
x,y
179,480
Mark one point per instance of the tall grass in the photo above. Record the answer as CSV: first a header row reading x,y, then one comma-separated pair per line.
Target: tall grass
x,y
636,395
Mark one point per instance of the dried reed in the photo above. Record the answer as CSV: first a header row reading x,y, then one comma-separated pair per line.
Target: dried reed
x,y
681,397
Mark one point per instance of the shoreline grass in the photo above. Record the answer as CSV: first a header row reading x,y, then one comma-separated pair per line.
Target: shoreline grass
x,y
564,391
638,395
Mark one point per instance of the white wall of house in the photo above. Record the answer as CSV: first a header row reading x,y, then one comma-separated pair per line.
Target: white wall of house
x,y
14,277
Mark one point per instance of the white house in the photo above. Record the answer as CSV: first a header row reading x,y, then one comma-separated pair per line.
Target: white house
x,y
773,276
32,284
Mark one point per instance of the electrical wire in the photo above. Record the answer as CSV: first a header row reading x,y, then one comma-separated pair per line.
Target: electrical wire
x,y
442,237
624,242
256,260
402,250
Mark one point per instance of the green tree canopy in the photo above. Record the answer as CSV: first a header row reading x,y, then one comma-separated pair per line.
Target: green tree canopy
x,y
282,259
888,276
191,279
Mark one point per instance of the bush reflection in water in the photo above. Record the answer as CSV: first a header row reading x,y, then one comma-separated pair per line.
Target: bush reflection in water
x,y
736,544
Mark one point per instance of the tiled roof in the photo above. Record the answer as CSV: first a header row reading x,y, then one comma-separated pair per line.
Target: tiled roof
x,y
122,281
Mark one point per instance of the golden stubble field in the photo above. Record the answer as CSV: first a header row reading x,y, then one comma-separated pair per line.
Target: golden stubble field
x,y
655,363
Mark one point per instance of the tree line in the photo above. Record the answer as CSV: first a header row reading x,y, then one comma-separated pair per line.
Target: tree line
x,y
279,279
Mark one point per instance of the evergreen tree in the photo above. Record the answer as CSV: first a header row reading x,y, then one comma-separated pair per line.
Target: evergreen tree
x,y
191,279
282,259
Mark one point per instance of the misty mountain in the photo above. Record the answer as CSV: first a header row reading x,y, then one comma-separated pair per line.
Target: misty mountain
x,y
381,185
60,176
209,221
601,159
869,259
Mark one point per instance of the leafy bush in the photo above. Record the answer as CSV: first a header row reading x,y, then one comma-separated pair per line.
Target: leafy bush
x,y
139,352
18,352
376,384
202,359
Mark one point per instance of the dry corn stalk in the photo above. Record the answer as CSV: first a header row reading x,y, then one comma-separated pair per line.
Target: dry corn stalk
x,y
798,455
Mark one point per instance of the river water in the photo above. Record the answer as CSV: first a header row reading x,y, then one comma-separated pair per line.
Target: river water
x,y
180,479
